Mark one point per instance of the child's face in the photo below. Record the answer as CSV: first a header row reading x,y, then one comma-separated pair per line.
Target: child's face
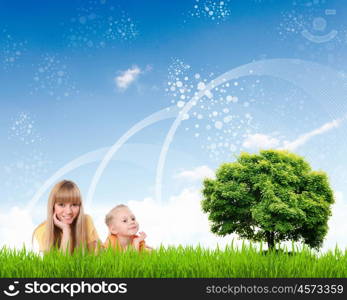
x,y
66,212
124,223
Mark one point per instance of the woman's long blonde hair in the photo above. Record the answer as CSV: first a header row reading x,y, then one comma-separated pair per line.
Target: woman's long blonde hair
x,y
65,191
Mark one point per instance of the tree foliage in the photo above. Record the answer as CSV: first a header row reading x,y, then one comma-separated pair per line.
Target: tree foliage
x,y
272,196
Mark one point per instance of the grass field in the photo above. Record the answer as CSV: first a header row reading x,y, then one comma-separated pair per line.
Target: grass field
x,y
176,262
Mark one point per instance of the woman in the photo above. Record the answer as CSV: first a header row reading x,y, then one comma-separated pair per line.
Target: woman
x,y
66,227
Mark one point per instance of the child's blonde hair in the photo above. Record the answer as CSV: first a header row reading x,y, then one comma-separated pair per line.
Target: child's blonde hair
x,y
110,216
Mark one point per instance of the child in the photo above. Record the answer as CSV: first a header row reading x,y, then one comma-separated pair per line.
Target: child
x,y
123,227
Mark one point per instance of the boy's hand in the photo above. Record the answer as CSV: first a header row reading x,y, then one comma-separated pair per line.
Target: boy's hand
x,y
139,239
142,236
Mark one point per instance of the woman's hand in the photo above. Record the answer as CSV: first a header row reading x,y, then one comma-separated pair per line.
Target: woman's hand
x,y
65,244
64,227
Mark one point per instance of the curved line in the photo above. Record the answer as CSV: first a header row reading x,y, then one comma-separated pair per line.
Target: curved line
x,y
273,67
163,114
89,157
77,162
319,38
11,295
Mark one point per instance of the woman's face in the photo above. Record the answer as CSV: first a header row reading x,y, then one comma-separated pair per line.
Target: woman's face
x,y
66,212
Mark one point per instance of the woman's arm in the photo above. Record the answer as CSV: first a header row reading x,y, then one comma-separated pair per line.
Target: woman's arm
x,y
66,241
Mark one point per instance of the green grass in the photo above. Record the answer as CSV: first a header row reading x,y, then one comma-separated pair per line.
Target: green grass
x,y
176,262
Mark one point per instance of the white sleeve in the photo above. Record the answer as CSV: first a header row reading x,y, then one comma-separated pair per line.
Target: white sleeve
x,y
35,246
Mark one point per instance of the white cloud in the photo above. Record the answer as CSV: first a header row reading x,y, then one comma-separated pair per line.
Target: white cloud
x,y
16,227
302,139
198,173
179,221
127,77
337,224
260,141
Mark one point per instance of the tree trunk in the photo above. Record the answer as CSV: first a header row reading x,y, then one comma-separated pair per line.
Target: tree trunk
x,y
270,238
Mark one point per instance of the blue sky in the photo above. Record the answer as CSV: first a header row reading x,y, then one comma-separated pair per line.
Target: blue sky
x,y
77,75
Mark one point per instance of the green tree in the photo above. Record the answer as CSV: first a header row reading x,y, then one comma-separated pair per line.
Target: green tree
x,y
272,196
